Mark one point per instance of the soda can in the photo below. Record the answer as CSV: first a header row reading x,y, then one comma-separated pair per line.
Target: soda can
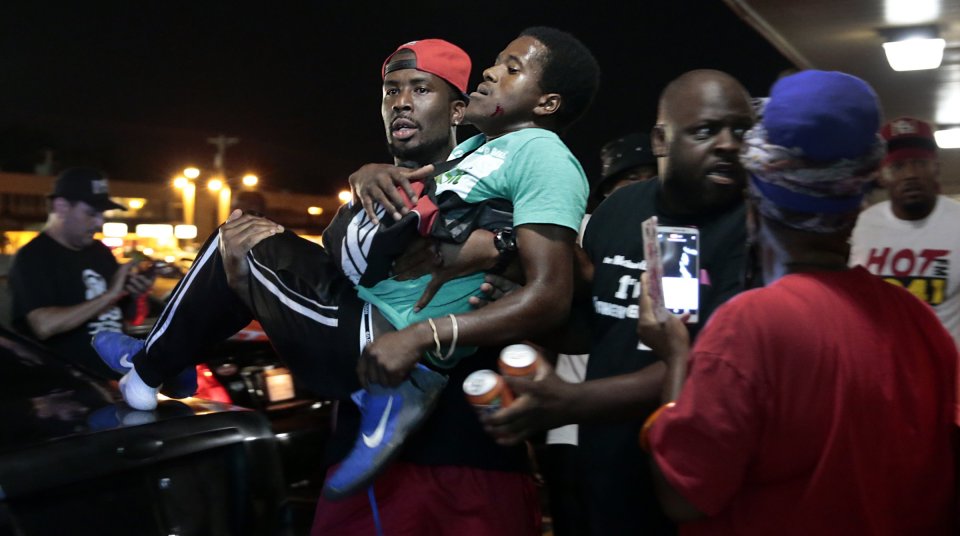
x,y
486,391
519,360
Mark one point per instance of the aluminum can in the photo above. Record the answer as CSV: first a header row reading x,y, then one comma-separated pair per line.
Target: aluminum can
x,y
520,360
486,391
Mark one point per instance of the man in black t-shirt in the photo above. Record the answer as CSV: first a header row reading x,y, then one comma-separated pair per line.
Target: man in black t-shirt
x,y
65,285
703,116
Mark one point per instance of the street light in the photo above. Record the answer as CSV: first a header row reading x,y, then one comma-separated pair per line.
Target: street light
x,y
188,192
314,211
220,184
344,196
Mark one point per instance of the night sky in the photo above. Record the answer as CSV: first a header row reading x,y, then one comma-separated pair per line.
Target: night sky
x,y
136,87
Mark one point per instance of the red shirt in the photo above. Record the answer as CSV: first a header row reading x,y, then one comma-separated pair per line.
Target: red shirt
x,y
822,404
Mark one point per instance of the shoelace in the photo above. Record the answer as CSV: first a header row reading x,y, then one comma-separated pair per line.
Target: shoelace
x,y
376,513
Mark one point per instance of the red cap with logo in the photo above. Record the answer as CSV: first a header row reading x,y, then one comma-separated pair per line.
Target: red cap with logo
x,y
908,137
437,57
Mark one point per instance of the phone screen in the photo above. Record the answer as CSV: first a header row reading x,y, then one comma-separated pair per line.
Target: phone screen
x,y
680,251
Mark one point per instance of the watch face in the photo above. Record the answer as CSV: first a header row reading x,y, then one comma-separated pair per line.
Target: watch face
x,y
504,240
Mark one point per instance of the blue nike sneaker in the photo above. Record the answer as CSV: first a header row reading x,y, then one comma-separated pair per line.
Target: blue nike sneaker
x,y
388,416
117,351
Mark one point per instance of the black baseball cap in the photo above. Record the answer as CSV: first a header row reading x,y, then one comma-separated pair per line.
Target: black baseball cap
x,y
625,153
84,184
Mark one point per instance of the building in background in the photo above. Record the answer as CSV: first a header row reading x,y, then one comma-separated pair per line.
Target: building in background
x,y
156,218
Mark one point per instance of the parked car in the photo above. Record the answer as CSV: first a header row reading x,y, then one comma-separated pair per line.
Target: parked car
x,y
253,376
246,371
74,460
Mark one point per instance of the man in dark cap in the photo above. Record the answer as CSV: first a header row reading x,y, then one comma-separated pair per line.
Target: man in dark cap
x,y
912,239
65,285
624,161
823,403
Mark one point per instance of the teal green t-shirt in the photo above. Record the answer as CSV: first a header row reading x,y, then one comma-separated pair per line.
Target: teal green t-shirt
x,y
531,168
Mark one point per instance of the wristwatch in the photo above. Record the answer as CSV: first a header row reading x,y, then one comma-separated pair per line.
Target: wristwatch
x,y
506,243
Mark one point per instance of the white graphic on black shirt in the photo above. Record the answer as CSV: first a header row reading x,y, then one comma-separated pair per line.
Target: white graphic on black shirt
x,y
109,320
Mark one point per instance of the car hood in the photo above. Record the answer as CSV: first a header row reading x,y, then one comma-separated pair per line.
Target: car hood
x,y
43,399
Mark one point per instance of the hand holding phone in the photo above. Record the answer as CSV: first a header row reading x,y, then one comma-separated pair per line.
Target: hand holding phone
x,y
651,255
672,256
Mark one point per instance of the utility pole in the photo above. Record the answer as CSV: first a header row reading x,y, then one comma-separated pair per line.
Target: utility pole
x,y
222,142
223,197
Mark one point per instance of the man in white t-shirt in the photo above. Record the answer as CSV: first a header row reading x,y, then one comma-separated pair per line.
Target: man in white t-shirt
x,y
913,240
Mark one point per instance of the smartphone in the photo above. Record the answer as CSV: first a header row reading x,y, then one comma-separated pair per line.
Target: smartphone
x,y
143,265
680,255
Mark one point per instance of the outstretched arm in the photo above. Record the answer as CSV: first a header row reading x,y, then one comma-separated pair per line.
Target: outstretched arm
x,y
670,341
550,402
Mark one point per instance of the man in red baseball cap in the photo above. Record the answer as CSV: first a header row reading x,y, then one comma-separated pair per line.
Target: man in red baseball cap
x,y
419,128
304,296
912,239
433,56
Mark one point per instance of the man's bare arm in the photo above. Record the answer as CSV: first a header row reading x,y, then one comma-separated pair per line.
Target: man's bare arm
x,y
546,255
570,337
551,402
45,322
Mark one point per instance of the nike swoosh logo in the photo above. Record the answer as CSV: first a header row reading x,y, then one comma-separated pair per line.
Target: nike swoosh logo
x,y
125,362
374,439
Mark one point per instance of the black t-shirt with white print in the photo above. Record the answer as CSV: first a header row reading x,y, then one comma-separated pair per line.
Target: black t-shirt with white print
x,y
47,274
619,487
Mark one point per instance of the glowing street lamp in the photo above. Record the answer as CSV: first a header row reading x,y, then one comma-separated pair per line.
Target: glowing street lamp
x,y
314,211
218,185
188,192
344,196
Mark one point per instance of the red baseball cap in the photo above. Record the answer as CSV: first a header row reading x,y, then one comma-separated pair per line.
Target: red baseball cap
x,y
434,56
908,137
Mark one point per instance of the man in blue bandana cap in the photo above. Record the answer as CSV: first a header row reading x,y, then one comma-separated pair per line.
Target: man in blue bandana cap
x,y
824,403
